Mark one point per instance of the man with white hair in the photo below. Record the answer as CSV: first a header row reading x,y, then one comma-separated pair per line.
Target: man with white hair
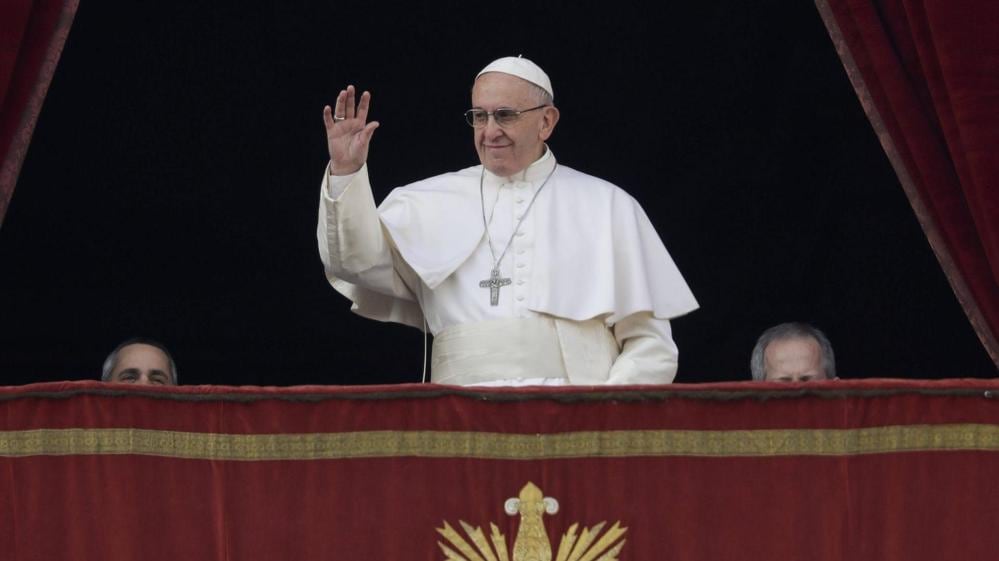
x,y
526,271
793,352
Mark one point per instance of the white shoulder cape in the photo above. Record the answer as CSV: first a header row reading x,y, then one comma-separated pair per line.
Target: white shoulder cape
x,y
598,254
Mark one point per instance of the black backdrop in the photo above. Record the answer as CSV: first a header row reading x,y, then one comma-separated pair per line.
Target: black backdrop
x,y
171,187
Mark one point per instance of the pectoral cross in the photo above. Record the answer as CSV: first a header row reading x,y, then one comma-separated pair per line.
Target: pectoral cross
x,y
493,283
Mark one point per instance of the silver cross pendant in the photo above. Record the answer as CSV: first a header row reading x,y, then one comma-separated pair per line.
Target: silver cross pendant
x,y
493,283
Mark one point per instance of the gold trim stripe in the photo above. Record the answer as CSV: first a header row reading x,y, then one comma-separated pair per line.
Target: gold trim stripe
x,y
500,446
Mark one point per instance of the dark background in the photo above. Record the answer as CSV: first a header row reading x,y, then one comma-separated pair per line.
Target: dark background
x,y
172,184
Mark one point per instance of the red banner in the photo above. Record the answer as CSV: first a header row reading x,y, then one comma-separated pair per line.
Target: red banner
x,y
835,470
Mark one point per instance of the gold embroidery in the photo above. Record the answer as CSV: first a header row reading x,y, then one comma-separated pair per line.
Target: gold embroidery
x,y
500,446
531,542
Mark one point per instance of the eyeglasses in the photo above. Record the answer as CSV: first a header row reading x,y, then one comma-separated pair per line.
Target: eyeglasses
x,y
503,117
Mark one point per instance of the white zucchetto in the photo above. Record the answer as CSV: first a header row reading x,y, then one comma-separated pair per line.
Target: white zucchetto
x,y
522,68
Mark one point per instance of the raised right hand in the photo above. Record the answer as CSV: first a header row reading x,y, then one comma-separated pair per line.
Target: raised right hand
x,y
348,134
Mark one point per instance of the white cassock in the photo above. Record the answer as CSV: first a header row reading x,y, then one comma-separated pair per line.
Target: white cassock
x,y
591,291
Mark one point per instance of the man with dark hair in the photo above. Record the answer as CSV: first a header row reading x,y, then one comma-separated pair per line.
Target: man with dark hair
x,y
793,352
140,361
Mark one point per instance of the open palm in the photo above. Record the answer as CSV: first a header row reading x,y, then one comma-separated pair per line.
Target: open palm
x,y
348,133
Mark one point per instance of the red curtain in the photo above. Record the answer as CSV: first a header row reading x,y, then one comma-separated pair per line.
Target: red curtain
x,y
927,74
859,470
32,34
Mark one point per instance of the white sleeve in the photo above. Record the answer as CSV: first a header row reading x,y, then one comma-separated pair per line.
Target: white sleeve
x,y
353,245
335,185
648,353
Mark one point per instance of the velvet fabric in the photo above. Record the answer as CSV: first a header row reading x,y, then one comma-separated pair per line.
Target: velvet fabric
x,y
861,470
32,34
927,74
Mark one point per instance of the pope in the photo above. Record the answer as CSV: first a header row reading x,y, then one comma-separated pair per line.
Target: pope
x,y
526,271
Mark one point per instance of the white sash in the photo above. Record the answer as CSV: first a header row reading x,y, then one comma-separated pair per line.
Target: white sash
x,y
511,351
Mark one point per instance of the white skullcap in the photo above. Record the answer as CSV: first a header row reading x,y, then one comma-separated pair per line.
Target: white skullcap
x,y
522,68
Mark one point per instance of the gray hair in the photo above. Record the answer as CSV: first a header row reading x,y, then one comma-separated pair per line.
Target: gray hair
x,y
791,330
544,98
112,359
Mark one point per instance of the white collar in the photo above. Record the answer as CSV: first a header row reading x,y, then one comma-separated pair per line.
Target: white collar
x,y
533,173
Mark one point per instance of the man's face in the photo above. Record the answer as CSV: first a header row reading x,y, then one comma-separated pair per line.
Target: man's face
x,y
798,359
142,364
510,149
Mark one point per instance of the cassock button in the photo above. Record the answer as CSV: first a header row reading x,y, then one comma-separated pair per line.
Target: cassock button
x,y
520,298
521,265
519,234
520,282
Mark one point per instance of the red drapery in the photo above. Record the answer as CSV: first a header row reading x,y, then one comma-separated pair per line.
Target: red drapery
x,y
32,33
878,470
927,74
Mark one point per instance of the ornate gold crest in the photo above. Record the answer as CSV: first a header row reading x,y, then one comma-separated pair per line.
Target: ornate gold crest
x,y
531,543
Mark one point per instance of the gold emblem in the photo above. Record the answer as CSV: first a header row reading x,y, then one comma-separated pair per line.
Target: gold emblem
x,y
531,543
